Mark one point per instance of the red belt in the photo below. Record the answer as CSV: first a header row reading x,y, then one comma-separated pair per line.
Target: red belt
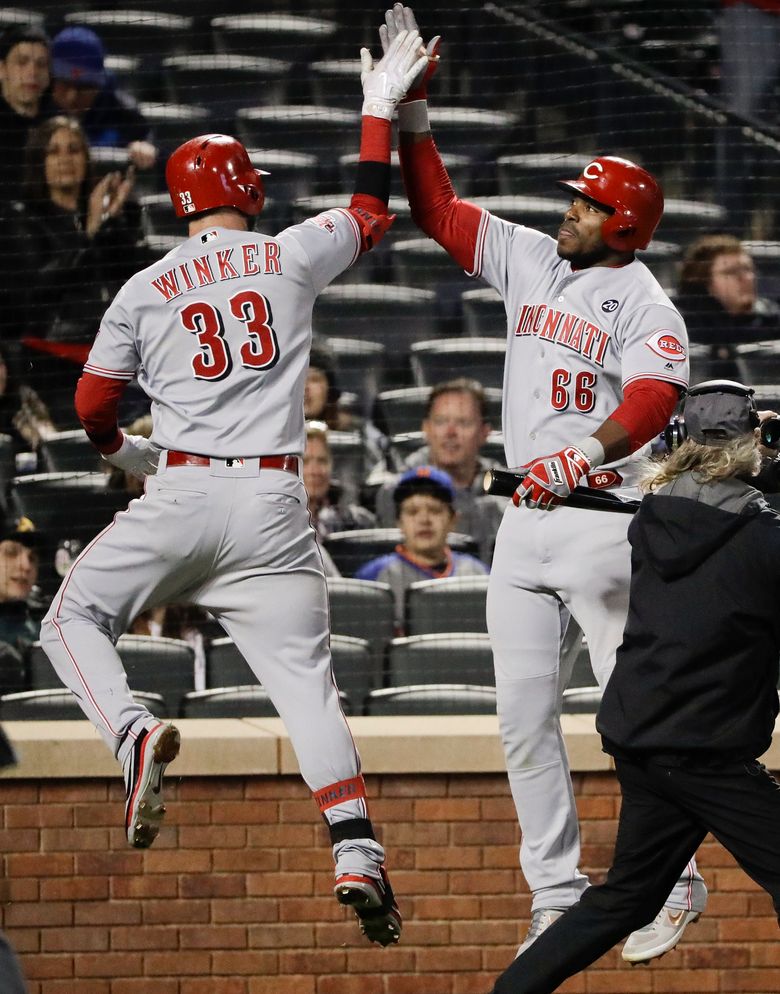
x,y
288,463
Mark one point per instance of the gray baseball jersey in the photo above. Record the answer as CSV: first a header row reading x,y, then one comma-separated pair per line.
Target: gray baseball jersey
x,y
218,332
575,340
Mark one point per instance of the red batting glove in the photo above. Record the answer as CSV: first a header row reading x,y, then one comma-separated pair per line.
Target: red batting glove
x,y
550,480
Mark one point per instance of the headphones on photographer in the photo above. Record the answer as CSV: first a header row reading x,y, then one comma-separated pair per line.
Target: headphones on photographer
x,y
675,433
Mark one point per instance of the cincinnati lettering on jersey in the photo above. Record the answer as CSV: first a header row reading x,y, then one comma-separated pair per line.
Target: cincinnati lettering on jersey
x,y
562,328
250,259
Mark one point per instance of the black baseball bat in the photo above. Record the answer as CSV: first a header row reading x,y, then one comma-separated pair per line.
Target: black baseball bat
x,y
504,483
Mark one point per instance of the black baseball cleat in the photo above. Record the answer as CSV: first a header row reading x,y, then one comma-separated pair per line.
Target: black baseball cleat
x,y
374,904
153,750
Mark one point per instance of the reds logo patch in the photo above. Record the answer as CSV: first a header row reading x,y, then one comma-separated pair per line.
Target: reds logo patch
x,y
667,346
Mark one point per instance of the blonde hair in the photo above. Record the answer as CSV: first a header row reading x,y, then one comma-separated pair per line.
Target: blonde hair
x,y
707,463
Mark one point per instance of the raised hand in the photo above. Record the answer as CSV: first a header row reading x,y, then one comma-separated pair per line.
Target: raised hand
x,y
108,198
387,82
401,18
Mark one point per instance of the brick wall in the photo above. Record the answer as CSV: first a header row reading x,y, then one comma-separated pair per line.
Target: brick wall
x,y
235,898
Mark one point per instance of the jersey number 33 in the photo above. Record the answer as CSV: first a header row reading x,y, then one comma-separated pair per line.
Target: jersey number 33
x,y
214,361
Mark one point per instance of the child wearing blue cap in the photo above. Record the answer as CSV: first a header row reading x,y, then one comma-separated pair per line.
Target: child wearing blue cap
x,y
424,500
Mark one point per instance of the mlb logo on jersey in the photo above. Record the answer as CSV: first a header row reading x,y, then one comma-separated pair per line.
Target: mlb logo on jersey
x,y
667,346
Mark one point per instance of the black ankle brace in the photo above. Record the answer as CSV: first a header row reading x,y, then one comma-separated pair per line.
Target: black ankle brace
x,y
352,828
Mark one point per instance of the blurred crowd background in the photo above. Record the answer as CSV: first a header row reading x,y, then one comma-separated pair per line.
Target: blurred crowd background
x,y
406,369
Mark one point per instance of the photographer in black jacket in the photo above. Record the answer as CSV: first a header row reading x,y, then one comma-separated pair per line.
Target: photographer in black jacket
x,y
692,701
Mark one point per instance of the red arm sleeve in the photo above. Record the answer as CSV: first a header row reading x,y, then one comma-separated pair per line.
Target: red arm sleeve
x,y
372,185
97,402
645,411
436,210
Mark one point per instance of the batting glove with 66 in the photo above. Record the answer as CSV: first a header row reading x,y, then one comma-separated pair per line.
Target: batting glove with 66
x,y
385,83
550,480
136,455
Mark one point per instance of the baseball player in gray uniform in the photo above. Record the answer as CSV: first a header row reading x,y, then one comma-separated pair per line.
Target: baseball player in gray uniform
x,y
218,334
596,358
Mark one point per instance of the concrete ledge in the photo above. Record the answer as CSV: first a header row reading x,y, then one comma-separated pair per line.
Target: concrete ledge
x,y
240,747
237,747
210,747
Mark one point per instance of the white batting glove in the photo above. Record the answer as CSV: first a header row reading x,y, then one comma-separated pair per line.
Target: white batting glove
x,y
387,82
136,455
402,18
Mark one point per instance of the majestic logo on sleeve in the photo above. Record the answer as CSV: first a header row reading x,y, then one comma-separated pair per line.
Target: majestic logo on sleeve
x,y
667,345
323,221
570,331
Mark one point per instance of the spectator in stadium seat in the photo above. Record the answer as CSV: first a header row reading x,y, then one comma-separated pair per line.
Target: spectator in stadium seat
x,y
18,578
322,401
455,428
84,89
329,513
718,296
749,32
81,241
23,415
321,394
24,77
424,499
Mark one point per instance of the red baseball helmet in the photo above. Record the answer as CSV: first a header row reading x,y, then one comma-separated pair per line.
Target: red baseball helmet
x,y
213,171
630,192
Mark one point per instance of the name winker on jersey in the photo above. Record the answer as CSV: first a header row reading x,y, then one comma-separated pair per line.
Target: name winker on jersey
x,y
248,259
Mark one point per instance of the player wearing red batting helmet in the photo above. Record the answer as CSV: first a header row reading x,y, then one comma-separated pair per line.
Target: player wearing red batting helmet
x,y
218,333
630,195
213,171
596,356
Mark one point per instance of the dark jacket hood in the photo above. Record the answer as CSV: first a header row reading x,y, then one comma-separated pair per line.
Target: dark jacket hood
x,y
682,524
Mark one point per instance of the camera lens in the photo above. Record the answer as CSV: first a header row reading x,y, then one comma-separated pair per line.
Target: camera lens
x,y
770,433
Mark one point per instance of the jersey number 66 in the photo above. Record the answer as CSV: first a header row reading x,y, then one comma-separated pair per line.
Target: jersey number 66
x,y
581,392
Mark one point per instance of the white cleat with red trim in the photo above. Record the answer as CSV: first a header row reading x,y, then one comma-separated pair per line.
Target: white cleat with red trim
x,y
374,904
152,751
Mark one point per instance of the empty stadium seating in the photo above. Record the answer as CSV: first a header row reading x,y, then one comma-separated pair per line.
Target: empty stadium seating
x,y
435,360
365,610
433,699
450,604
444,657
60,705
